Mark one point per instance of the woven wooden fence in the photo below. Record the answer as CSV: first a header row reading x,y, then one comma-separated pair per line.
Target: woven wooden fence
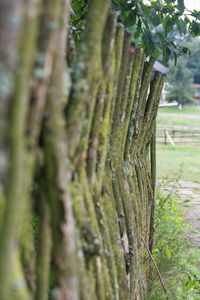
x,y
77,160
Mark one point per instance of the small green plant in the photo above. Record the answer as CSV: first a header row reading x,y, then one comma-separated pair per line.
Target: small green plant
x,y
177,260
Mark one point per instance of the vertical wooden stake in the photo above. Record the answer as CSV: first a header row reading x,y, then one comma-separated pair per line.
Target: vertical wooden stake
x,y
165,136
153,180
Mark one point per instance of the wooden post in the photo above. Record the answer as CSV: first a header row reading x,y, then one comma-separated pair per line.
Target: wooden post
x,y
165,137
173,134
153,181
169,138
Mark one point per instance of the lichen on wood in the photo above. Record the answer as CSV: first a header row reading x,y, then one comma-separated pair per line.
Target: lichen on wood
x,y
81,161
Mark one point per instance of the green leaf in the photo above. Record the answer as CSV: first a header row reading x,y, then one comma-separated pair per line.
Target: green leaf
x,y
156,250
186,20
161,37
145,9
129,18
167,56
156,53
122,7
168,253
181,6
175,58
195,28
136,35
168,24
154,17
181,25
147,39
141,10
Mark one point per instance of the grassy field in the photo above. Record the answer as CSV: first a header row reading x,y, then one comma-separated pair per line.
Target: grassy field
x,y
181,159
166,121
185,110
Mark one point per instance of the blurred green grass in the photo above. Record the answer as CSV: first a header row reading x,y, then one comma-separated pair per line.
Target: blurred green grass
x,y
184,110
184,159
167,121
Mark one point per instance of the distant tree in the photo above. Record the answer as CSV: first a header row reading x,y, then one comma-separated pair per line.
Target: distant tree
x,y
193,61
179,83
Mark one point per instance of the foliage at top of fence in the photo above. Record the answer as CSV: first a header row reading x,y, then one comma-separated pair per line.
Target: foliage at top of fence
x,y
150,23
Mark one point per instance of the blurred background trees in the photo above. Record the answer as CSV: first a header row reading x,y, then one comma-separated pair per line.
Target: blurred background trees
x,y
179,81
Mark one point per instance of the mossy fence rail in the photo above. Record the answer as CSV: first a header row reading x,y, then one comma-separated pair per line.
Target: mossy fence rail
x,y
77,159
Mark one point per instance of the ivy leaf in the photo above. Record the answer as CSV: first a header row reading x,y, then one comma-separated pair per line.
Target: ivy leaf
x,y
147,39
156,53
181,26
122,7
168,24
136,35
161,37
129,18
142,12
154,17
167,56
145,9
181,6
195,28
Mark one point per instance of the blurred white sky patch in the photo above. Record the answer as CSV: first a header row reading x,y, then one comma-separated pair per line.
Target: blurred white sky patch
x,y
192,4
